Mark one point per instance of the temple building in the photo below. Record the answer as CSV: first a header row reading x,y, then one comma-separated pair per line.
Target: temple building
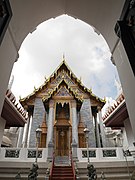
x,y
61,117
63,107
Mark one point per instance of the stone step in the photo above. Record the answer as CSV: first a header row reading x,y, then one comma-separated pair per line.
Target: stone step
x,y
63,178
63,175
62,172
112,170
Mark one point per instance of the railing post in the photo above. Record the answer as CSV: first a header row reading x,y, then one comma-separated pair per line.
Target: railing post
x,y
72,165
51,171
23,154
74,151
50,151
2,153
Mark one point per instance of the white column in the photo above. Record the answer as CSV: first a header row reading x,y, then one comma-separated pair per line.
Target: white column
x,y
2,127
102,129
50,122
20,137
26,130
97,134
129,132
30,124
24,135
74,123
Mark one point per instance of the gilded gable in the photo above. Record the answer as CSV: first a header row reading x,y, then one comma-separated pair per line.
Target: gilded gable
x,y
63,75
63,92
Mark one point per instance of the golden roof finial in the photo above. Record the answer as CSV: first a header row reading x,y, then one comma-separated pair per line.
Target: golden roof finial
x,y
45,78
63,57
35,88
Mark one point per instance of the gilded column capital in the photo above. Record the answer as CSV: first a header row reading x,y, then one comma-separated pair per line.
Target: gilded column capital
x,y
98,108
51,103
26,107
73,103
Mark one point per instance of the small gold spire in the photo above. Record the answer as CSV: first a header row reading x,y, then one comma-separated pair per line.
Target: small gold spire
x,y
35,89
63,57
91,88
45,78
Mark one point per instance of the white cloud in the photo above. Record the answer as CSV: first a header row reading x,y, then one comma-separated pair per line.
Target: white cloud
x,y
86,53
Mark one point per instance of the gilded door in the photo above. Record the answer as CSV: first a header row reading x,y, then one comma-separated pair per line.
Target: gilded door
x,y
62,141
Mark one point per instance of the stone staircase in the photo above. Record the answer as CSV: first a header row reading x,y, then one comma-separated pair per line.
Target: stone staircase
x,y
62,169
62,172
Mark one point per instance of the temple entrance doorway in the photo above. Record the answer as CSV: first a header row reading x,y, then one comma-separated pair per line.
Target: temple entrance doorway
x,y
62,130
62,141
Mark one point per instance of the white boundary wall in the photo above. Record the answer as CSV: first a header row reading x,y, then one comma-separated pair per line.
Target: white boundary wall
x,y
117,155
21,154
26,155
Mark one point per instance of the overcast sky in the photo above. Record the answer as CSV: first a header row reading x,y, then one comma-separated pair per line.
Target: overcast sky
x,y
86,53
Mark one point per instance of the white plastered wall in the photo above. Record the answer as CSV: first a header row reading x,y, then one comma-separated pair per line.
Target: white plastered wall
x,y
129,133
127,79
2,126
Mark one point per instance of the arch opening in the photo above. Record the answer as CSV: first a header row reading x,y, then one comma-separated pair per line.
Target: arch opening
x,y
66,35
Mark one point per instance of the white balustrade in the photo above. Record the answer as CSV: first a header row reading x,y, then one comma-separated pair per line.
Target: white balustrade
x,y
23,154
102,154
96,154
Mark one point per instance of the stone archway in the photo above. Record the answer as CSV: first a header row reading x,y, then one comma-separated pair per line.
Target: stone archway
x,y
102,15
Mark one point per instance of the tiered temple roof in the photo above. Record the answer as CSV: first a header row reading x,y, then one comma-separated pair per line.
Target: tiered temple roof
x,y
62,75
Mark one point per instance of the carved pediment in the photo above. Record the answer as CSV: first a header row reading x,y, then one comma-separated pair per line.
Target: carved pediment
x,y
60,77
56,80
63,91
